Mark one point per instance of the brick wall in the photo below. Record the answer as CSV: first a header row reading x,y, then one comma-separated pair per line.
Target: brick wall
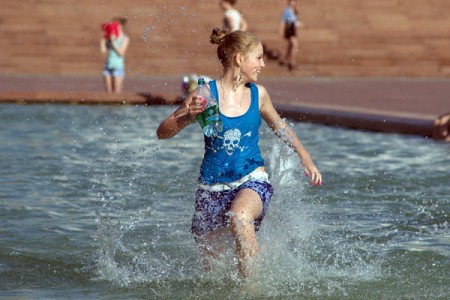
x,y
401,38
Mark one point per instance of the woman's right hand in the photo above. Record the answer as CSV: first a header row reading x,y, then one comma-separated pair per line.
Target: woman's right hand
x,y
191,109
197,106
182,117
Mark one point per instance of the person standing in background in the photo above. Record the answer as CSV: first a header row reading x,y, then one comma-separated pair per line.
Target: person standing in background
x,y
232,18
114,44
441,128
232,21
288,29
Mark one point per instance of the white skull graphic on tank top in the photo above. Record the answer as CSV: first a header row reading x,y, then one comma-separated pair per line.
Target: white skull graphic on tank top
x,y
232,139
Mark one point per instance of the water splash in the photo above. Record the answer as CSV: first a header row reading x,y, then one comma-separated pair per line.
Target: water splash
x,y
302,254
147,31
299,253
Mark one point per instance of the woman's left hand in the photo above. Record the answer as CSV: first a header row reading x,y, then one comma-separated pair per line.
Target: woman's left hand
x,y
312,171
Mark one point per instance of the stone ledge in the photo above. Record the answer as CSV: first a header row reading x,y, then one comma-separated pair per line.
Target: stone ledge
x,y
86,98
331,116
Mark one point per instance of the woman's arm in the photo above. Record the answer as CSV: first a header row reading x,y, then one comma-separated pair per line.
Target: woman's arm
x,y
282,23
281,29
287,135
181,118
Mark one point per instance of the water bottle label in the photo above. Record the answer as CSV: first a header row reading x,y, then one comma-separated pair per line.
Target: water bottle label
x,y
211,114
210,121
201,120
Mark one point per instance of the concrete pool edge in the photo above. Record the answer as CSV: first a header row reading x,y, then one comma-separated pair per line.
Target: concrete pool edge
x,y
418,106
87,98
340,116
388,122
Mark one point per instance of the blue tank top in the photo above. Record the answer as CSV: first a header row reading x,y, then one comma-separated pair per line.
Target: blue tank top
x,y
235,152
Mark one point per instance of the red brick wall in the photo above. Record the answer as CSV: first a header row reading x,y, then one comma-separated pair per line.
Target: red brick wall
x,y
170,37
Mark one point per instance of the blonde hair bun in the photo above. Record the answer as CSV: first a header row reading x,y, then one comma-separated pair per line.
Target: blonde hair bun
x,y
217,36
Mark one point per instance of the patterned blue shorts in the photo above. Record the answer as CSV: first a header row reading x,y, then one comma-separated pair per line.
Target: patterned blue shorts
x,y
211,208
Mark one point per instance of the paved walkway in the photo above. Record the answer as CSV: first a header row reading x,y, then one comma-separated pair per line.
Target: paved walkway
x,y
378,104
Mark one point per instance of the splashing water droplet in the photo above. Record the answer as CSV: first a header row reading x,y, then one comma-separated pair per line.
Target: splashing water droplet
x,y
147,32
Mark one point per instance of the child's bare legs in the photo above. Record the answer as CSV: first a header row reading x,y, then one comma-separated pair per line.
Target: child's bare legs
x,y
291,57
286,57
108,83
247,207
118,83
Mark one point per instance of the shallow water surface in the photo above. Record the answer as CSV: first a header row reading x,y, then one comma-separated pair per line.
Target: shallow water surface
x,y
92,205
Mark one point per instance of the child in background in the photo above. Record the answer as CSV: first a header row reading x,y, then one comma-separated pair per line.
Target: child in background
x,y
114,44
288,29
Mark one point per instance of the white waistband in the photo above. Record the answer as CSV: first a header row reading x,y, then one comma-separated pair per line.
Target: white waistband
x,y
258,174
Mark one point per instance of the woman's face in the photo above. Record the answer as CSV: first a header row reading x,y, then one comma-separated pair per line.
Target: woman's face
x,y
251,67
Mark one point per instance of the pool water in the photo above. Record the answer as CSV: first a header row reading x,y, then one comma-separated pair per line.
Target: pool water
x,y
92,205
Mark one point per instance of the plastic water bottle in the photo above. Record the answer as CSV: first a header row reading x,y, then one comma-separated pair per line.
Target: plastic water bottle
x,y
210,118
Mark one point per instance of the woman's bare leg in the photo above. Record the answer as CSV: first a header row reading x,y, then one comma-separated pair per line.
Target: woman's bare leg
x,y
212,245
247,207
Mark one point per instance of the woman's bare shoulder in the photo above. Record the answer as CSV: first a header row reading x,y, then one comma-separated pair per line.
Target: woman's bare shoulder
x,y
263,93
